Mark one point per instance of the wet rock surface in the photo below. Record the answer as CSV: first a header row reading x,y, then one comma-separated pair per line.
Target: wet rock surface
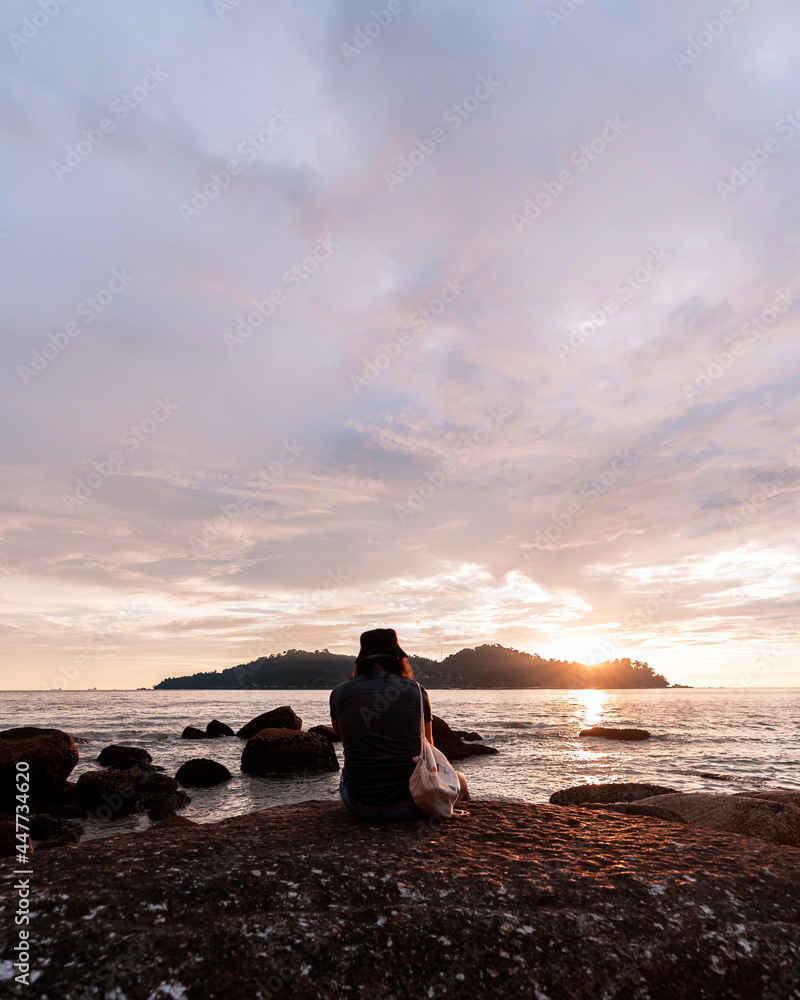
x,y
217,728
117,793
202,773
51,754
616,734
524,900
452,746
327,732
296,752
617,791
112,755
193,733
278,718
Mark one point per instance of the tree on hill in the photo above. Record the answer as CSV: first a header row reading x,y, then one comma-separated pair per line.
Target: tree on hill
x,y
487,666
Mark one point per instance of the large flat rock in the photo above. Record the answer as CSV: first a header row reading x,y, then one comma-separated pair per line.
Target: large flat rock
x,y
515,900
768,817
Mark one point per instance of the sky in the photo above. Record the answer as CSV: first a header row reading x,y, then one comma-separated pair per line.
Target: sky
x,y
474,320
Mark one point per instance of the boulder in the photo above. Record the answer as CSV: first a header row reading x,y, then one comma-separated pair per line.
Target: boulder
x,y
468,736
201,772
51,755
192,733
792,798
217,728
452,746
278,718
111,755
747,815
66,803
53,831
327,732
628,791
110,793
307,752
279,732
160,796
615,734
636,809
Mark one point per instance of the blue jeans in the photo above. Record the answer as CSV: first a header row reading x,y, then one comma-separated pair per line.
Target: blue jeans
x,y
398,811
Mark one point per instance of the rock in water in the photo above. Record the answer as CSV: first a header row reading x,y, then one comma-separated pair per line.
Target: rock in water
x,y
616,734
452,746
109,793
610,792
278,718
109,756
764,818
467,735
327,732
160,796
52,831
192,733
51,755
217,728
202,773
307,752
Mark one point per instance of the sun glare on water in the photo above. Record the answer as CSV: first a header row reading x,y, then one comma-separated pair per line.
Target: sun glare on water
x,y
592,704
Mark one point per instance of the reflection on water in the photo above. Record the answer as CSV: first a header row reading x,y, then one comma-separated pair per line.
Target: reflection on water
x,y
591,704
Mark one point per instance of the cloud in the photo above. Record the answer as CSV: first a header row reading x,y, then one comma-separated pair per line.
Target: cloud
x,y
451,390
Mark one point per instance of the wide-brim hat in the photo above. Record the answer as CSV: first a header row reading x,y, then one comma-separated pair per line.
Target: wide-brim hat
x,y
379,642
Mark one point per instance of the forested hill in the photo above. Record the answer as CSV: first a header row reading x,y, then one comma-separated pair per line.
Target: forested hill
x,y
489,666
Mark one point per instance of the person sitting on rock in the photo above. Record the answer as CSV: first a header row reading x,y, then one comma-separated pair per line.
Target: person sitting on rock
x,y
377,716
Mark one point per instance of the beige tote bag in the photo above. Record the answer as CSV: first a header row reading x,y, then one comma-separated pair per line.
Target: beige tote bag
x,y
434,783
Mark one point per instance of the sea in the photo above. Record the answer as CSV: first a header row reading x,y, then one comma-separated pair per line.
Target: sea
x,y
702,740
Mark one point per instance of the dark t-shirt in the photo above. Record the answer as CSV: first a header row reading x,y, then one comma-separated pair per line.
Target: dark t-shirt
x,y
378,716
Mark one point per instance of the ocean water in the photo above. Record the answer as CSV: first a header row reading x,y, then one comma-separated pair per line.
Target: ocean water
x,y
720,740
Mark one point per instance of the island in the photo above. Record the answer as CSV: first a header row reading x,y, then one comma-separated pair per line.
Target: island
x,y
487,666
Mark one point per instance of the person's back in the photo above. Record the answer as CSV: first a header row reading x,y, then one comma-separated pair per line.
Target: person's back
x,y
378,714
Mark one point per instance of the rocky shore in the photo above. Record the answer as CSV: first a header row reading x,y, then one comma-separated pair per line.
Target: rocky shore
x,y
514,900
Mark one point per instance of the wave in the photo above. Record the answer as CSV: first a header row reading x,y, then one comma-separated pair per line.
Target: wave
x,y
735,778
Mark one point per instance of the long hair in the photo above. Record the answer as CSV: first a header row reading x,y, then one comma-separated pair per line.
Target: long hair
x,y
391,664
